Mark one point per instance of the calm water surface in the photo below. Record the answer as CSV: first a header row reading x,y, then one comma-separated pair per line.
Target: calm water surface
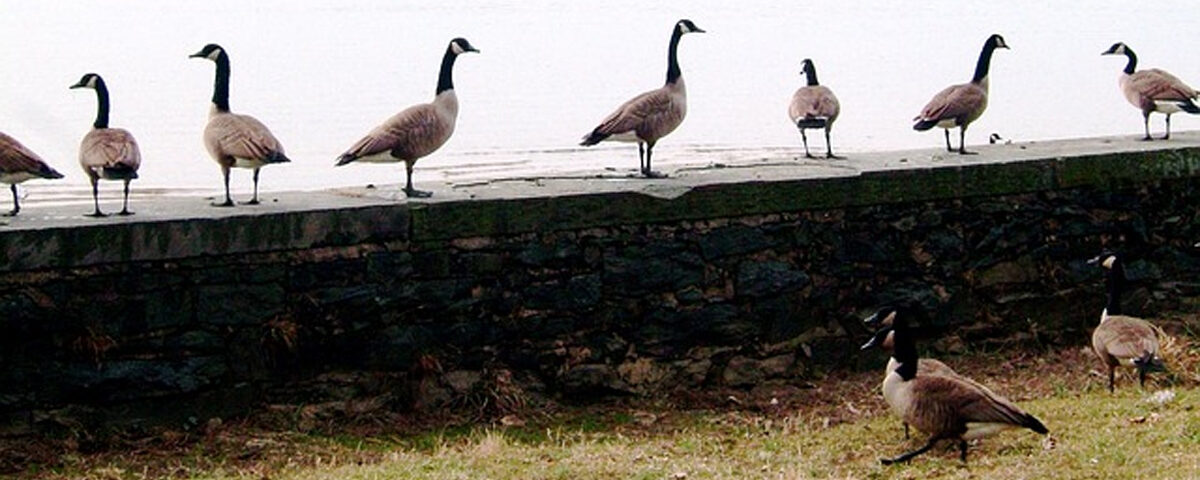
x,y
321,74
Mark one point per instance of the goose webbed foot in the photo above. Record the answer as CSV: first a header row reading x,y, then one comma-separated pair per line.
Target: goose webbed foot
x,y
252,201
414,193
125,213
1147,138
10,213
809,155
227,203
963,151
1166,137
831,156
96,214
653,174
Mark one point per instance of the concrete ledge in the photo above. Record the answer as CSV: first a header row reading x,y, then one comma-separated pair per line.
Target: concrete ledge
x,y
178,228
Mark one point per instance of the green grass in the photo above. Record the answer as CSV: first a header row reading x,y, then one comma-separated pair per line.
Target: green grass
x,y
1096,435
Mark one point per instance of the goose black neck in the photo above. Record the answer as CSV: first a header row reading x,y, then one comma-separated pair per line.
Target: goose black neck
x,y
985,60
1132,64
220,96
811,71
446,76
903,349
673,72
101,104
1115,283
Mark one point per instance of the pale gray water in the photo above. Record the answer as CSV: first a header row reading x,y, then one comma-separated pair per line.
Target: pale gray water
x,y
321,74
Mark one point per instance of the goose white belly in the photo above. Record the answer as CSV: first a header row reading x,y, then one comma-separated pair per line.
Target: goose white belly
x,y
18,177
630,137
379,157
241,162
1167,106
984,429
947,123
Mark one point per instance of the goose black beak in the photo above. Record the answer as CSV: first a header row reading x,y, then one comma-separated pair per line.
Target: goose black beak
x,y
197,55
1096,260
78,85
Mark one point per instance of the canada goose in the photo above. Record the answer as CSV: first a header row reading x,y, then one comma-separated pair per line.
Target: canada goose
x,y
959,105
418,130
235,140
814,106
885,339
1121,340
945,407
652,115
108,153
1153,90
18,164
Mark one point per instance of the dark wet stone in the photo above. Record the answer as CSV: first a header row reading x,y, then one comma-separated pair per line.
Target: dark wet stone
x,y
738,240
238,304
761,279
585,382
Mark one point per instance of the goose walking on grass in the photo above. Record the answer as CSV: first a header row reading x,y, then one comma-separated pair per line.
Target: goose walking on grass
x,y
1153,90
416,131
885,339
652,115
235,140
959,105
944,407
18,164
1122,340
814,106
107,153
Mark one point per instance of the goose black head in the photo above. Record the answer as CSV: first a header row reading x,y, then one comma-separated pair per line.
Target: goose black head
x,y
806,66
686,26
885,318
211,51
1108,260
1118,48
460,46
89,80
996,41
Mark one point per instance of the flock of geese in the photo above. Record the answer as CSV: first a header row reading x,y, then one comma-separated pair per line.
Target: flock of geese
x,y
241,141
932,397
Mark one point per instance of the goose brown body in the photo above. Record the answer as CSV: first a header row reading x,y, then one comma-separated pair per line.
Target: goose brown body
x,y
105,152
18,164
1122,340
1153,90
959,105
944,407
814,106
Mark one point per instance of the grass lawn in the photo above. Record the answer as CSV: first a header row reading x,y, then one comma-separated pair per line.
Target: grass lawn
x,y
834,428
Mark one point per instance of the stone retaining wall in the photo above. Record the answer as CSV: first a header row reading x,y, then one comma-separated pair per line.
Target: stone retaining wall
x,y
500,301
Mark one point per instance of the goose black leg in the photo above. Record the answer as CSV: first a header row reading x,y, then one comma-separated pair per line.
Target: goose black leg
x,y
962,141
804,136
1168,135
254,199
962,450
908,456
228,199
125,205
409,191
906,430
648,172
1146,123
96,199
641,158
1142,377
829,146
948,147
16,203
1111,379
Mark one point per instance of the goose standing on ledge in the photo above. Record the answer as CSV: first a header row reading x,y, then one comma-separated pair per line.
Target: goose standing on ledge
x,y
1121,340
235,140
1153,90
652,115
814,106
18,164
418,130
108,153
959,105
945,407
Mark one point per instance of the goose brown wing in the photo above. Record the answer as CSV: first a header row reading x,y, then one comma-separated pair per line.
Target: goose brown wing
x,y
412,132
1156,84
109,148
1125,337
813,101
955,402
15,158
240,136
654,106
954,101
